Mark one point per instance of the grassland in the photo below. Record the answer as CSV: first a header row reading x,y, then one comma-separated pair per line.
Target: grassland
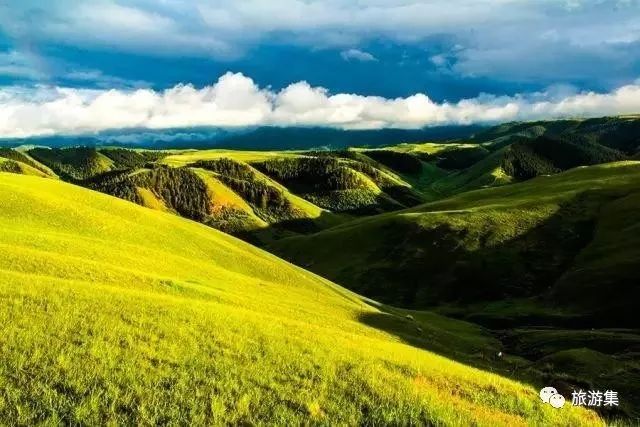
x,y
482,230
557,252
113,313
12,166
191,156
306,191
207,185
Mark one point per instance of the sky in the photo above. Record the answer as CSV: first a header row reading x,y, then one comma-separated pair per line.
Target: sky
x,y
76,66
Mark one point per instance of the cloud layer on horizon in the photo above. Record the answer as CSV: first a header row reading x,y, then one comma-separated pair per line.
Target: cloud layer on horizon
x,y
236,101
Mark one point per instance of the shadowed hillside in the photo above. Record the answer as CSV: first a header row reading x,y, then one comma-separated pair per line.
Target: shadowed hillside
x,y
510,242
542,262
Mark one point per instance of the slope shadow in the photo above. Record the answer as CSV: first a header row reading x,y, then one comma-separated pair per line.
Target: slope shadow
x,y
487,350
521,270
418,268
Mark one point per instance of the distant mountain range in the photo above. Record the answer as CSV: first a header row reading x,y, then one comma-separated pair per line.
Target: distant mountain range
x,y
259,138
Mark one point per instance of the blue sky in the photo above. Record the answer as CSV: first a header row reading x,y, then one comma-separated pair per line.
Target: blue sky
x,y
485,52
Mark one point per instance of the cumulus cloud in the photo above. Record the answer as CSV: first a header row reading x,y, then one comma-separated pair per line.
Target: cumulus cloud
x,y
236,100
357,55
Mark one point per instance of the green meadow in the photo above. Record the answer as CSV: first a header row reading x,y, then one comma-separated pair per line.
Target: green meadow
x,y
113,313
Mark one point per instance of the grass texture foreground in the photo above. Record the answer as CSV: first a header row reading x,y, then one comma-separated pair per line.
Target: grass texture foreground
x,y
116,314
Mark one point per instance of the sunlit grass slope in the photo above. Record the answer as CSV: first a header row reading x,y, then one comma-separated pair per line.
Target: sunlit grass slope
x,y
113,313
190,156
7,165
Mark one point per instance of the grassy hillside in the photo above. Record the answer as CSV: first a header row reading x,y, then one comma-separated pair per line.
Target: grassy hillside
x,y
12,166
24,159
269,202
513,241
73,163
113,313
331,183
519,151
198,184
287,192
542,263
529,158
618,133
80,163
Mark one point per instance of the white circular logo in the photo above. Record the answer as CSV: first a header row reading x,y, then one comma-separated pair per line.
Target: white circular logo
x,y
546,393
557,401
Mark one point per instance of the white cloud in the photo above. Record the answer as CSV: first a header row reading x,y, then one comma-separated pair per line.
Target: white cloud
x,y
358,55
236,101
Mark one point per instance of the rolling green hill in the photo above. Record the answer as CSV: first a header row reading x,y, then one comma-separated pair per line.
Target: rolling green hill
x,y
549,264
529,158
243,193
7,165
514,241
24,159
113,313
268,195
617,133
73,163
516,235
519,151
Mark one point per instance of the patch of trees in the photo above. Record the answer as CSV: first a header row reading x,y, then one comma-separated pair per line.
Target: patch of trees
x,y
456,158
568,154
72,164
336,183
372,172
116,183
230,220
618,133
227,168
11,154
126,159
522,162
180,188
401,162
356,202
311,174
529,158
268,201
400,193
10,166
